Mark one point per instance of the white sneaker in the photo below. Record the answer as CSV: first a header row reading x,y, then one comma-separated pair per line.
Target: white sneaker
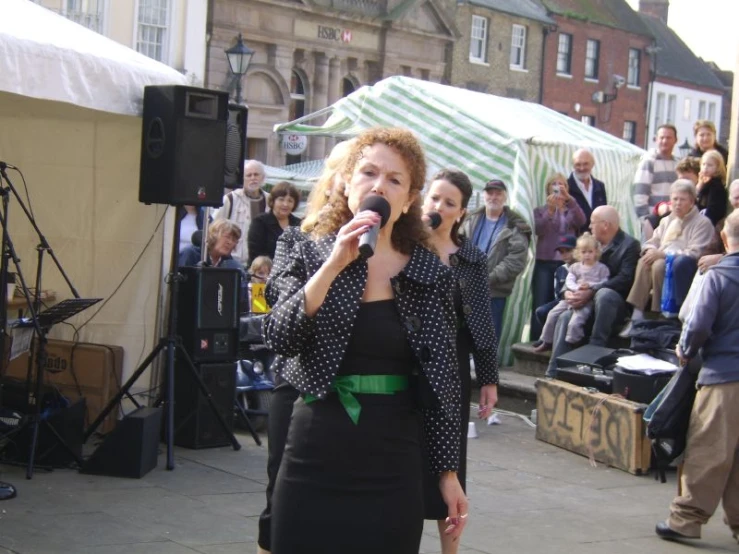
x,y
626,331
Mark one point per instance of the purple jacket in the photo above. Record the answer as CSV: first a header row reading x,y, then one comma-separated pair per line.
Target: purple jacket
x,y
549,227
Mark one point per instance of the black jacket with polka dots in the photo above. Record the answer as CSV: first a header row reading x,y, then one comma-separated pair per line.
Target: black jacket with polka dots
x,y
469,267
317,345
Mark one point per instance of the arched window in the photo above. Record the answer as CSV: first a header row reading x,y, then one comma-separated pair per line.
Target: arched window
x,y
297,108
347,86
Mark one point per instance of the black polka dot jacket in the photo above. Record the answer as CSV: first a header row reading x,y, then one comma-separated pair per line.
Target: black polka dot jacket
x,y
469,267
317,345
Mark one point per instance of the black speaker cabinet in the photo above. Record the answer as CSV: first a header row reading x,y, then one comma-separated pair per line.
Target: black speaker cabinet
x,y
196,426
183,146
233,170
208,313
131,449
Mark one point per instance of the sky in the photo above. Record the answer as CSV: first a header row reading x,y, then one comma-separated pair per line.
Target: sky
x,y
708,27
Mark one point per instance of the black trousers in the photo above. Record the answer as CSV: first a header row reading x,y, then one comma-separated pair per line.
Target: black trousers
x,y
280,412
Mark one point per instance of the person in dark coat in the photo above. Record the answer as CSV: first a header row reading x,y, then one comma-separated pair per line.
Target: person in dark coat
x,y
711,466
223,236
588,192
369,342
713,198
448,196
284,394
705,140
266,228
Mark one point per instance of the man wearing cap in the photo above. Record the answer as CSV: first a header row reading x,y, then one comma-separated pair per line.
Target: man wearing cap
x,y
588,192
504,237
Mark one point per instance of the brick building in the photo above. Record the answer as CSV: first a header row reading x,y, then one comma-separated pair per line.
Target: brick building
x,y
500,48
597,65
310,53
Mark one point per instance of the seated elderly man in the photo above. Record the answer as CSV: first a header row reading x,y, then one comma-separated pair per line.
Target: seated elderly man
x,y
685,233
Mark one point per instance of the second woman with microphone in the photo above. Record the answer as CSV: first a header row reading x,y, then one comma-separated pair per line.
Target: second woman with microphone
x,y
444,209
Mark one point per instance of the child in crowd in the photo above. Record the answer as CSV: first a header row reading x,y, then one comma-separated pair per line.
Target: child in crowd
x,y
565,247
260,268
253,293
583,274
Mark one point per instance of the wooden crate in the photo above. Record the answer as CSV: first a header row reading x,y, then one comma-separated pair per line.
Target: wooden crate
x,y
585,422
79,370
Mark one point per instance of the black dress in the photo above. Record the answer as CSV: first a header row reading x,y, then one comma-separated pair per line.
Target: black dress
x,y
434,505
345,488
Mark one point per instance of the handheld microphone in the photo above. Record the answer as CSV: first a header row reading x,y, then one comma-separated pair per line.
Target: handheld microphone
x,y
432,219
368,241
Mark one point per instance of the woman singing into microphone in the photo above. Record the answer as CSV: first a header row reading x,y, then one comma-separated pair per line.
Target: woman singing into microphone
x,y
370,341
448,196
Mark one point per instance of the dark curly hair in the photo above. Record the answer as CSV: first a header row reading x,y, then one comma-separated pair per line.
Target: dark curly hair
x,y
409,229
460,180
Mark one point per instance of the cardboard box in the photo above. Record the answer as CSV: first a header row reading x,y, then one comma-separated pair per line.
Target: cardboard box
x,y
585,422
92,371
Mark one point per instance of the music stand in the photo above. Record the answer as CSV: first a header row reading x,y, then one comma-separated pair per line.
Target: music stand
x,y
64,310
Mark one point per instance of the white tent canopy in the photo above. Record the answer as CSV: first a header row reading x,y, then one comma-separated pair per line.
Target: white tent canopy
x,y
70,102
488,137
46,56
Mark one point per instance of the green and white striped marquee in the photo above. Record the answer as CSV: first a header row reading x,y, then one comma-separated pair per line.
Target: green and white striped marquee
x,y
488,137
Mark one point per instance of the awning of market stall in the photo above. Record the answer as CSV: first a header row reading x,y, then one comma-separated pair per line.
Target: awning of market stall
x,y
487,136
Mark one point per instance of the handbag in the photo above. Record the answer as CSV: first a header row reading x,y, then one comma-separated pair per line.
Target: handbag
x,y
668,416
669,304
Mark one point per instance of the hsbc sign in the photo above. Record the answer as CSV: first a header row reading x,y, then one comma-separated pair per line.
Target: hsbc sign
x,y
334,33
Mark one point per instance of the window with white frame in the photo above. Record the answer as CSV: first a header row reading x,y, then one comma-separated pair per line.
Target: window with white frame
x,y
712,111
702,109
592,56
88,13
671,108
479,39
518,47
564,54
632,78
153,28
588,120
630,131
686,109
659,110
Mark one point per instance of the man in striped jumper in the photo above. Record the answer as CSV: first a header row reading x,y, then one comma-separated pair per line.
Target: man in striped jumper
x,y
656,172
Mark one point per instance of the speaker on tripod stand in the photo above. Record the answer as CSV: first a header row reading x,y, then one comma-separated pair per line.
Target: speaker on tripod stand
x,y
182,163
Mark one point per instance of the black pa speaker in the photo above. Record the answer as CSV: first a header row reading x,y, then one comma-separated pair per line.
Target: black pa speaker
x,y
208,313
131,449
233,169
195,424
183,146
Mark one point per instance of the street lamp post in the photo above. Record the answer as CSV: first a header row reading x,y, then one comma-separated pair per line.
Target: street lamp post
x,y
684,148
239,57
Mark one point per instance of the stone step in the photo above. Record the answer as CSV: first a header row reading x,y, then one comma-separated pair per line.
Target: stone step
x,y
516,391
529,362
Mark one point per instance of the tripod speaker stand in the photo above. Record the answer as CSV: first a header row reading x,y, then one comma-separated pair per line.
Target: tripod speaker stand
x,y
171,344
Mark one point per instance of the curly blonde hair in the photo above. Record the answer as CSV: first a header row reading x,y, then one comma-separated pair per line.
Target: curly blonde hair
x,y
320,195
409,229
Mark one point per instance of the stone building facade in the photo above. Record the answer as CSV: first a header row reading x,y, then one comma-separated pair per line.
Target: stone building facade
x,y
308,54
500,48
